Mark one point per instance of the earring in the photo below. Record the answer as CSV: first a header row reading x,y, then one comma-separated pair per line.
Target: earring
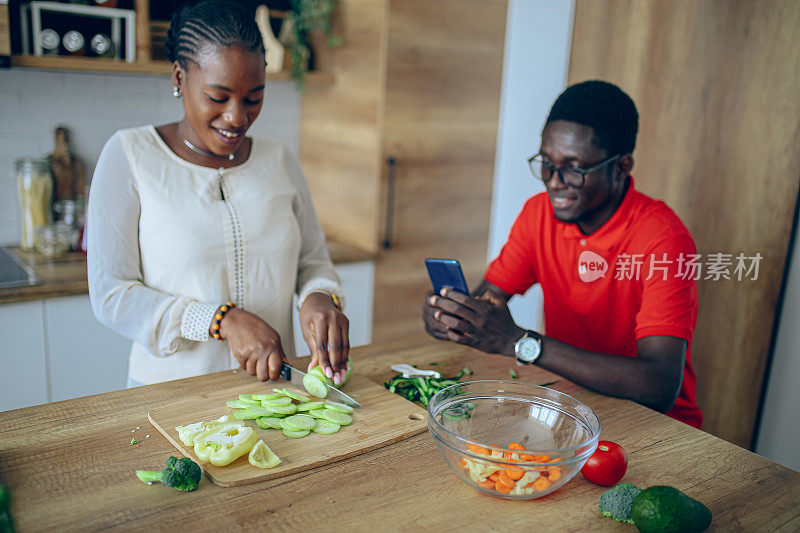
x,y
176,92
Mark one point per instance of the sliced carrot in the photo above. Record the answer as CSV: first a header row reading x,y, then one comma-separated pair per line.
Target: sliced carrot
x,y
554,474
487,484
499,487
515,475
477,449
527,457
464,464
529,485
516,446
494,476
541,484
541,458
505,480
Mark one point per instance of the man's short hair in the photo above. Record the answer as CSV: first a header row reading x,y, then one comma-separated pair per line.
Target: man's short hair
x,y
605,108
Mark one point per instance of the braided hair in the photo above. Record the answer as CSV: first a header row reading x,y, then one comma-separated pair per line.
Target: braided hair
x,y
218,23
605,108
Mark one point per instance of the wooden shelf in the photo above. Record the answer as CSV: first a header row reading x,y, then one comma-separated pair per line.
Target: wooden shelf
x,y
85,64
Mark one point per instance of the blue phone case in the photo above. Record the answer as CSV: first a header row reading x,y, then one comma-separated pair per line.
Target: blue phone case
x,y
446,274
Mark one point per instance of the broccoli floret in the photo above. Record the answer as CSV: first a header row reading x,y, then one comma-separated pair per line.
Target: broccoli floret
x,y
616,502
181,474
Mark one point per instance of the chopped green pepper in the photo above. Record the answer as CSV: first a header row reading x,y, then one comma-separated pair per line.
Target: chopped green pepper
x,y
224,444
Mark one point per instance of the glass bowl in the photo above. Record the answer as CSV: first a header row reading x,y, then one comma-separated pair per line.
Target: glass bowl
x,y
511,439
54,240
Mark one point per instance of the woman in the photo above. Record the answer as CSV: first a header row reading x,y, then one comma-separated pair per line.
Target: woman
x,y
191,215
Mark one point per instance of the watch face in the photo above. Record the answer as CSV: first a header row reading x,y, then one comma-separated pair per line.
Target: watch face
x,y
528,349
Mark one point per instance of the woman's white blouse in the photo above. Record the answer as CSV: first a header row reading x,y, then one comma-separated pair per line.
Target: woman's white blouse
x,y
169,241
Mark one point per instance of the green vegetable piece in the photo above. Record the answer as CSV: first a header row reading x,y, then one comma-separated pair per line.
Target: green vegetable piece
x,y
340,407
296,434
258,411
248,398
662,509
315,386
298,422
283,400
295,396
336,417
317,413
180,474
284,409
270,396
513,373
243,414
269,422
325,427
616,502
310,406
134,441
237,404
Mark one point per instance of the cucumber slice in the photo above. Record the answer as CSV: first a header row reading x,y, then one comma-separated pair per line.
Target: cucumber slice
x,y
283,400
315,386
298,423
336,417
310,406
269,422
296,434
318,373
242,414
340,407
259,411
317,413
302,398
247,398
266,396
237,404
284,409
325,427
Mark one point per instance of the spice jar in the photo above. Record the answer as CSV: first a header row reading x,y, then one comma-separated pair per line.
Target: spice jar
x,y
35,190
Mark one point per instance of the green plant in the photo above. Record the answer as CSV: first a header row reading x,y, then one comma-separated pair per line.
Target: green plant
x,y
309,16
616,503
181,474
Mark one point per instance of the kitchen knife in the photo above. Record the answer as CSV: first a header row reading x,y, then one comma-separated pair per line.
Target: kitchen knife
x,y
295,377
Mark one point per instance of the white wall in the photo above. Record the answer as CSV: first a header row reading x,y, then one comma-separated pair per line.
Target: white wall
x,y
93,107
538,37
779,435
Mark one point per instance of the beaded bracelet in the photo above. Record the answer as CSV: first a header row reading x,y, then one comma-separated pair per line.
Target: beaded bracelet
x,y
218,316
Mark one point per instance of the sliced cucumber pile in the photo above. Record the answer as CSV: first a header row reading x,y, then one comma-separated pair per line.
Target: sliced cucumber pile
x,y
277,410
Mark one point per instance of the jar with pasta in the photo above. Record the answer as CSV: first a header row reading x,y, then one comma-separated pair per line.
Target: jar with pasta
x,y
35,190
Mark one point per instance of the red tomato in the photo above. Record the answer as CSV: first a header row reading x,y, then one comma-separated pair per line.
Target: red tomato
x,y
607,465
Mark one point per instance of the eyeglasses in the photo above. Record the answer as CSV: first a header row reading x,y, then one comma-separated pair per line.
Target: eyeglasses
x,y
573,177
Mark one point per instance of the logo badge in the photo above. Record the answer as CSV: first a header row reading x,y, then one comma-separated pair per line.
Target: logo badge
x,y
591,266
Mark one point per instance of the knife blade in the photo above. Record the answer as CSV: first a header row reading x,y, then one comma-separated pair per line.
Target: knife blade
x,y
295,377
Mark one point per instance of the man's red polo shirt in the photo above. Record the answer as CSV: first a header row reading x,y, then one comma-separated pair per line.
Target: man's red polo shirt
x,y
631,278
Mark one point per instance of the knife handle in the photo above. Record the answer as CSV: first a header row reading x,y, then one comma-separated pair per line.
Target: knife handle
x,y
286,372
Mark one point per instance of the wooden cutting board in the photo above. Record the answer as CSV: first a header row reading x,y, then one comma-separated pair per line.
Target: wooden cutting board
x,y
385,418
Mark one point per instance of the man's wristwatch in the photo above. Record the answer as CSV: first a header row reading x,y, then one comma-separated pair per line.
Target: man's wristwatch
x,y
528,348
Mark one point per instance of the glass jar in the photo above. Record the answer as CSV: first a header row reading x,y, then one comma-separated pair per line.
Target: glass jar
x,y
35,190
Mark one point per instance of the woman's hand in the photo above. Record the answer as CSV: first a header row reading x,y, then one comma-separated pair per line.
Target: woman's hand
x,y
327,332
253,343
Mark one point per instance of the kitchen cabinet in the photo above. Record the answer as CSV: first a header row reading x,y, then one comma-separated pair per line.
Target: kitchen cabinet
x,y
23,361
417,84
68,353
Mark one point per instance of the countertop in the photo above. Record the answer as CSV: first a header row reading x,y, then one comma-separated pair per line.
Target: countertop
x,y
70,466
66,275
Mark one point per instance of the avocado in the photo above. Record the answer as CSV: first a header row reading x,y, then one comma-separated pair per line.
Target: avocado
x,y
666,510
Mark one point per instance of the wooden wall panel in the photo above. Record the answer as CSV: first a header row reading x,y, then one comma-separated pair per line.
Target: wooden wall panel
x,y
340,127
444,76
716,83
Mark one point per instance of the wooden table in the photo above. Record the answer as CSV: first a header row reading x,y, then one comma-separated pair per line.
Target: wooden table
x,y
70,466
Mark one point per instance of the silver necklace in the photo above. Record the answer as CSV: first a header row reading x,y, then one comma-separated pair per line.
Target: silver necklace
x,y
229,157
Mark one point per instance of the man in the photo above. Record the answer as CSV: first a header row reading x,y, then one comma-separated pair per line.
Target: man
x,y
620,300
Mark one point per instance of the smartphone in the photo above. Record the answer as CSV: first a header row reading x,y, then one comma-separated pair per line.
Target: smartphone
x,y
446,274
